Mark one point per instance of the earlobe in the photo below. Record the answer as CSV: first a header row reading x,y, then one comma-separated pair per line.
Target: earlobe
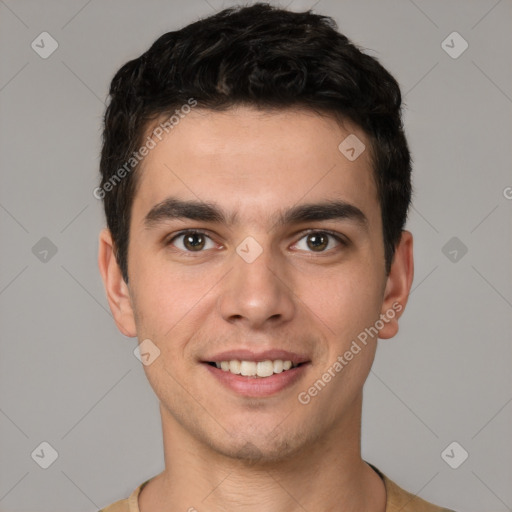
x,y
118,294
398,286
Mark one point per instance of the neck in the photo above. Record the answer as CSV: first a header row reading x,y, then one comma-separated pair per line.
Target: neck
x,y
328,471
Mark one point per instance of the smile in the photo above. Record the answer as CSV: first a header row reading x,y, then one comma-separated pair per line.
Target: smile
x,y
261,369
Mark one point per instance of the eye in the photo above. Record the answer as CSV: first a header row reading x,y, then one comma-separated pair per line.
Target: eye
x,y
319,241
192,241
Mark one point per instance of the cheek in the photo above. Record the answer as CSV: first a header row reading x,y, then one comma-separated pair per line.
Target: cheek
x,y
346,300
343,306
169,299
170,306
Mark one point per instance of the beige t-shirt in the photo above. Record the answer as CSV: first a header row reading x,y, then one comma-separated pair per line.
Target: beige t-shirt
x,y
397,500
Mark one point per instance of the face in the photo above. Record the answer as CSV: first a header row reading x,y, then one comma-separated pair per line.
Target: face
x,y
254,239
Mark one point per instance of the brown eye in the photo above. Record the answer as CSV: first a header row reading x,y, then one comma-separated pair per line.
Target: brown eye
x,y
317,241
192,241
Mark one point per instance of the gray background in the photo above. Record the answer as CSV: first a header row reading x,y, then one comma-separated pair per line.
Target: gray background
x,y
70,379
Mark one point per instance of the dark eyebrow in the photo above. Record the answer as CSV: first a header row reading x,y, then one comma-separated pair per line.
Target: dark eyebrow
x,y
173,208
329,210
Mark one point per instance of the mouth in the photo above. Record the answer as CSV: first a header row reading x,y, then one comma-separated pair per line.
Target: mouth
x,y
256,369
257,375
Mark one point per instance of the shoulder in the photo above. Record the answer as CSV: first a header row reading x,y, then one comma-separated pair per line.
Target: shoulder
x,y
130,504
118,506
403,501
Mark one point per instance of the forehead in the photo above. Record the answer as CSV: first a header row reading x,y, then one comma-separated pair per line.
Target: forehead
x,y
259,162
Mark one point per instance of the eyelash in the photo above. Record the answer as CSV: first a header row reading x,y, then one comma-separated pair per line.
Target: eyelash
x,y
334,235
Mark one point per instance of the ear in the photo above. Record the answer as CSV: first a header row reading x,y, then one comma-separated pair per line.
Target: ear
x,y
118,294
398,286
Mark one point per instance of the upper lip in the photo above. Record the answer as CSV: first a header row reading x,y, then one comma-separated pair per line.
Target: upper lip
x,y
249,355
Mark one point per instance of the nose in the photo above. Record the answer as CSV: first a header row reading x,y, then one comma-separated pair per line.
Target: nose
x,y
257,294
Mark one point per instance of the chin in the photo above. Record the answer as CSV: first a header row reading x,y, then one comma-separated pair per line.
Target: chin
x,y
270,447
249,453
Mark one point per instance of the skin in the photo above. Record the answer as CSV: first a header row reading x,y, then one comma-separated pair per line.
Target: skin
x,y
224,451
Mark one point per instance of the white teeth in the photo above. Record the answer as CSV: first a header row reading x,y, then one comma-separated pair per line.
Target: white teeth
x,y
265,369
254,369
278,366
248,368
234,367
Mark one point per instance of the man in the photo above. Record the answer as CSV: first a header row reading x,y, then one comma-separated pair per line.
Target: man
x,y
256,182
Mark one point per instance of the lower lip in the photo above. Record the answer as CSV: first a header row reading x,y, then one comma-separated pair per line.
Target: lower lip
x,y
258,386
